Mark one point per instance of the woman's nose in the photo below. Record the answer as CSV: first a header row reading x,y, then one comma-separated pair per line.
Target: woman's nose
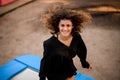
x,y
65,28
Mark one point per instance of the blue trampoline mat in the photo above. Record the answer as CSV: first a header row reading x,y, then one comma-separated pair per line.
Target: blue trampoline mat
x,y
10,69
15,66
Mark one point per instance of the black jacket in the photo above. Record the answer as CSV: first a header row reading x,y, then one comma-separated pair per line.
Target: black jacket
x,y
57,58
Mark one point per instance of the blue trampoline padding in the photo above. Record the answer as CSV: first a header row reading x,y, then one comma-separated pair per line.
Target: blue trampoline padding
x,y
80,76
31,61
18,64
10,69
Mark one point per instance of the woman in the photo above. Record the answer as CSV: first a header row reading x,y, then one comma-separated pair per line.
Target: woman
x,y
64,45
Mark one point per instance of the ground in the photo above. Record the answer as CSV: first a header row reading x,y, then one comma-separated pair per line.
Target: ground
x,y
21,32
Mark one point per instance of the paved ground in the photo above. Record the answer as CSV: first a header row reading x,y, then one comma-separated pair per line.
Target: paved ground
x,y
21,32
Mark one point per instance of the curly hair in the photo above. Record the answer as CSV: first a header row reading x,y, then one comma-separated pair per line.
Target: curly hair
x,y
77,18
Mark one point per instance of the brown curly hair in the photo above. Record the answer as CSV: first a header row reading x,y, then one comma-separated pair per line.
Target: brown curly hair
x,y
77,18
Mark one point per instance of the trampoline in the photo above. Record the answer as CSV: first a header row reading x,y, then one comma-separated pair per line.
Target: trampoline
x,y
26,67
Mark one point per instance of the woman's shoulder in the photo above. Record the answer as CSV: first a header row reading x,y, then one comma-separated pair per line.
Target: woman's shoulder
x,y
50,40
77,35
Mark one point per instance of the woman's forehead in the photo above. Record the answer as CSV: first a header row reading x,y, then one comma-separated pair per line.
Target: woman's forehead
x,y
66,21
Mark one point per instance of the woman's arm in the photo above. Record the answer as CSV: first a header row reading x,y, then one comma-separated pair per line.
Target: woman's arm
x,y
43,64
82,52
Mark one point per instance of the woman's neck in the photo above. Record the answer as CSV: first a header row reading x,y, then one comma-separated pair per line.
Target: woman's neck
x,y
64,38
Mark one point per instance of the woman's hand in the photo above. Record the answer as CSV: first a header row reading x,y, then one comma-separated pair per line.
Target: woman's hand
x,y
90,67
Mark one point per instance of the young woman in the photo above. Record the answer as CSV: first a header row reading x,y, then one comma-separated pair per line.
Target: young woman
x,y
66,43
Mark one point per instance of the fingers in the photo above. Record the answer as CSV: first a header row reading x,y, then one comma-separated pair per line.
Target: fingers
x,y
90,67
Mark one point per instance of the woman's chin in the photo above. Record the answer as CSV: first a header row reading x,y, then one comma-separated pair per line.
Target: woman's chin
x,y
66,35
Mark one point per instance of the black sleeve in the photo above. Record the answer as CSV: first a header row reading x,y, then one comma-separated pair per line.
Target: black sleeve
x,y
42,73
82,52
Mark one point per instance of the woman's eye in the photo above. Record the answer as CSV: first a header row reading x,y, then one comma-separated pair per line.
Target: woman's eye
x,y
62,25
68,25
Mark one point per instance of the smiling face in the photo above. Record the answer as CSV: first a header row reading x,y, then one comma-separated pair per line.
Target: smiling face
x,y
65,27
